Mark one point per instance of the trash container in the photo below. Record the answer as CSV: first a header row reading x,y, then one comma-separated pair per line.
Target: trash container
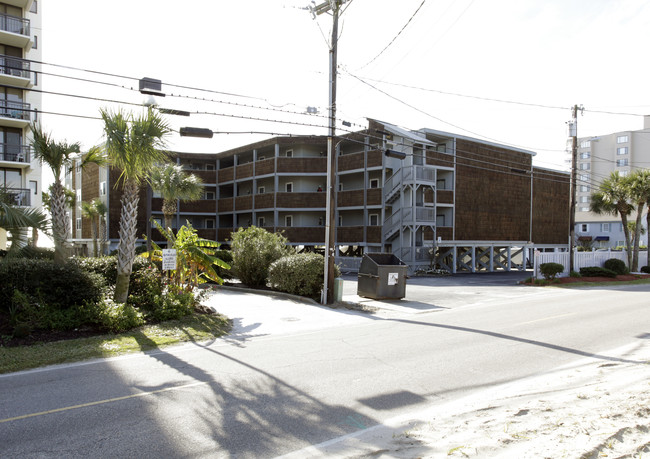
x,y
382,276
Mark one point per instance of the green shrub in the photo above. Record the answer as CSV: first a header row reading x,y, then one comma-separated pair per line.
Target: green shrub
x,y
574,274
119,317
58,286
551,270
299,274
596,271
253,251
616,265
645,269
226,256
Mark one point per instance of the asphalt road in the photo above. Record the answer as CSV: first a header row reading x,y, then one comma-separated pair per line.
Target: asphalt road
x,y
274,394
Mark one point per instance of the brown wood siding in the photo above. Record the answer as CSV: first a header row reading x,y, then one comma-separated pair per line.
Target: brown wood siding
x,y
205,176
205,233
224,234
445,197
265,167
244,171
446,233
302,165
244,202
551,195
352,198
201,206
89,192
491,203
226,175
225,205
373,197
349,234
264,201
297,234
435,158
373,234
350,162
300,200
374,158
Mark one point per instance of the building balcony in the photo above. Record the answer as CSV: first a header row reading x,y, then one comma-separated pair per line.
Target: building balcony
x,y
24,4
294,234
265,201
200,206
15,71
15,31
300,200
14,114
15,155
349,234
19,196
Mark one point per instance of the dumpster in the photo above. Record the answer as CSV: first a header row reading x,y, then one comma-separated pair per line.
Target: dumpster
x,y
382,276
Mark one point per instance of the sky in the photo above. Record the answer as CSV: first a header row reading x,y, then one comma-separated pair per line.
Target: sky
x,y
507,71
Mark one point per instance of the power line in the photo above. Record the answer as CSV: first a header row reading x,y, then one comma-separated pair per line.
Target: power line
x,y
396,36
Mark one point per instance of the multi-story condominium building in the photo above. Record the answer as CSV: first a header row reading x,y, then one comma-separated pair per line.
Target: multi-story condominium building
x,y
20,174
598,157
472,204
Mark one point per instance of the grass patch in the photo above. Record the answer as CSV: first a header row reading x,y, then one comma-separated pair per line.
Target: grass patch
x,y
197,327
602,284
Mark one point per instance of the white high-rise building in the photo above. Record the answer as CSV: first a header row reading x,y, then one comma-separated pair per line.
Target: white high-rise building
x,y
598,157
20,54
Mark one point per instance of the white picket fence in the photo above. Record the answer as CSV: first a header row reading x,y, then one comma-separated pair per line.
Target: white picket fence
x,y
584,259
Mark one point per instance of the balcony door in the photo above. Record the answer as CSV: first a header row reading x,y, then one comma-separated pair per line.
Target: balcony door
x,y
10,144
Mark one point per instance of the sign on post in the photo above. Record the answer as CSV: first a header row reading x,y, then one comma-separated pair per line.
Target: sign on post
x,y
168,259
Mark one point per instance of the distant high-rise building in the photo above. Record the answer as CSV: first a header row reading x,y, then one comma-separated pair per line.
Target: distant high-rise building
x,y
20,174
598,157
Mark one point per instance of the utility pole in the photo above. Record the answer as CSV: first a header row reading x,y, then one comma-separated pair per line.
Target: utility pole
x,y
573,133
330,209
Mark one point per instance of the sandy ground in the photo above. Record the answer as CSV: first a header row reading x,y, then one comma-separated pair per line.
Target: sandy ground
x,y
592,409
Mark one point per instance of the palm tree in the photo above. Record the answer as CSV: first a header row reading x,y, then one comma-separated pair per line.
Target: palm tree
x,y
58,156
173,185
17,220
95,211
133,145
639,182
102,209
613,197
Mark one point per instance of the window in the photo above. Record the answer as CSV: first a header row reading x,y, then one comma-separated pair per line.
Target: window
x,y
288,220
374,183
583,177
585,144
622,139
261,190
78,193
288,153
584,209
34,8
78,223
585,166
209,195
261,222
373,220
289,187
340,220
209,223
584,188
156,220
35,44
209,167
585,155
584,198
340,187
102,188
584,227
621,162
441,184
604,227
33,186
621,151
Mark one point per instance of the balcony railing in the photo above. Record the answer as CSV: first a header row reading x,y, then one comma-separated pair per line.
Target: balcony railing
x,y
15,110
17,153
18,196
14,24
14,66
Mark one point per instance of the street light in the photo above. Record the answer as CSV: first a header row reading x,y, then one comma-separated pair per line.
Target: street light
x,y
196,132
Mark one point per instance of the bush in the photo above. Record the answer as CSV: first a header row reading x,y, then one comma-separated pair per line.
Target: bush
x,y
645,269
616,265
574,274
119,317
59,287
551,270
596,271
299,274
253,251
